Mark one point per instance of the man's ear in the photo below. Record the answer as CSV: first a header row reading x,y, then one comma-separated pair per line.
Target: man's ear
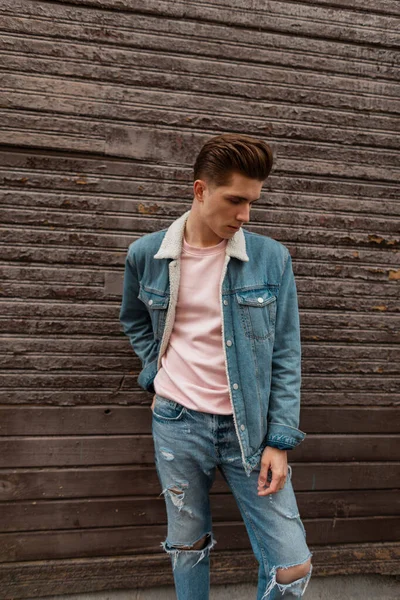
x,y
199,188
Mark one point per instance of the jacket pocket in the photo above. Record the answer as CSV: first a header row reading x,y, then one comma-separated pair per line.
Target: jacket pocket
x,y
157,305
257,309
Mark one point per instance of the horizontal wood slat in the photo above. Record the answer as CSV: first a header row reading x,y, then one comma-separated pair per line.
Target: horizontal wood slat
x,y
112,420
42,578
137,540
118,346
127,449
339,25
101,397
131,480
52,218
44,515
115,382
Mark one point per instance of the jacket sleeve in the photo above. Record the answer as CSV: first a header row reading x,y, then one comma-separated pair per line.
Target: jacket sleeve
x,y
136,324
284,402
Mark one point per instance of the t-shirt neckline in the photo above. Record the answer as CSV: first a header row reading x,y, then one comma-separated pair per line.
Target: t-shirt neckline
x,y
197,251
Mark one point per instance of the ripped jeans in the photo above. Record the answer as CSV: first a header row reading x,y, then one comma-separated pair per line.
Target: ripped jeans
x,y
189,445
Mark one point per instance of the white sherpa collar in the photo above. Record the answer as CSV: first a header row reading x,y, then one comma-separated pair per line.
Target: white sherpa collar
x,y
171,246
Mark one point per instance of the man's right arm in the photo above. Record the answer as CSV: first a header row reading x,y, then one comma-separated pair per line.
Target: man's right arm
x,y
136,324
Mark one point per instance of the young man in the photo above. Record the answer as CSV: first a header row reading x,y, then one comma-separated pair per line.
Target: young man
x,y
211,310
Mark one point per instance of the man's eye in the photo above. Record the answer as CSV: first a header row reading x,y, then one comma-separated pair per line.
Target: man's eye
x,y
235,201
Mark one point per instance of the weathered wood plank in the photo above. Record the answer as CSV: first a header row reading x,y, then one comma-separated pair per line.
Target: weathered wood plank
x,y
84,180
280,17
271,199
117,44
379,330
128,381
88,482
42,578
51,218
116,396
94,131
28,546
159,144
108,313
358,241
380,296
119,346
50,515
114,420
78,451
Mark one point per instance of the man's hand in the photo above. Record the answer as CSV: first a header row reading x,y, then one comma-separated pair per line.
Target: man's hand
x,y
276,460
152,404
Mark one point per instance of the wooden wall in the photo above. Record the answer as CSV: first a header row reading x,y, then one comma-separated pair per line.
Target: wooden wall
x,y
104,106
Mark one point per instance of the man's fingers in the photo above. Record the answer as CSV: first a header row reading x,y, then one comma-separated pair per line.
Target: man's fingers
x,y
277,483
262,478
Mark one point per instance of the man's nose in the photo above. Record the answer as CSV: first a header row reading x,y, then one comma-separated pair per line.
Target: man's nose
x,y
244,214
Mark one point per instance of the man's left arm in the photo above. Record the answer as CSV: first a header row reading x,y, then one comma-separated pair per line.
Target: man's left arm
x,y
284,401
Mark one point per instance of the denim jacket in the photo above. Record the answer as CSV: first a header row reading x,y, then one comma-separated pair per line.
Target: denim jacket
x,y
260,328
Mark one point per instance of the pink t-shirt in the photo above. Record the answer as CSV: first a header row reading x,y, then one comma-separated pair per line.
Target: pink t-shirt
x,y
192,370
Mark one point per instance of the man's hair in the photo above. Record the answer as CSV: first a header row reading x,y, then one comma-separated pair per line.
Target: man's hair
x,y
229,153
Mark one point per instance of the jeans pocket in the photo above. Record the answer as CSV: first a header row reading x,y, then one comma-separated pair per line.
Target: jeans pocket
x,y
167,410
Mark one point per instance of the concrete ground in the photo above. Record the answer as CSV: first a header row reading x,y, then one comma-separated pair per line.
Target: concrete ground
x,y
338,587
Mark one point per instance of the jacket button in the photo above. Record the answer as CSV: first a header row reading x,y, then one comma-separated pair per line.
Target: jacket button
x,y
225,302
150,302
242,427
260,300
235,386
229,342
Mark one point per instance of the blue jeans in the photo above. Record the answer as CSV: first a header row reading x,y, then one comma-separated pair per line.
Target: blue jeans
x,y
189,445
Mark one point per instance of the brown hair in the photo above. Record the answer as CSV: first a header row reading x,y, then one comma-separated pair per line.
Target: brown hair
x,y
224,154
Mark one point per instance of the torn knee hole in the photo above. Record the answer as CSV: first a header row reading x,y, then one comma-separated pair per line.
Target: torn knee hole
x,y
199,545
297,584
290,574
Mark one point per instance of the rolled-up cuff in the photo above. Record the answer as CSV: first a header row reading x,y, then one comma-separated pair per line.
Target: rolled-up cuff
x,y
147,376
284,436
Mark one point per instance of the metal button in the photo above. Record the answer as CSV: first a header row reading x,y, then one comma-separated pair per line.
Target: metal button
x,y
150,302
229,342
225,302
260,300
242,427
235,386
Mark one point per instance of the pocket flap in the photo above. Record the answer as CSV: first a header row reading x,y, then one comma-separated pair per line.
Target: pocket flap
x,y
255,297
154,300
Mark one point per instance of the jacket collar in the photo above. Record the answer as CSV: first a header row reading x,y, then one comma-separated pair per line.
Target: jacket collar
x,y
171,246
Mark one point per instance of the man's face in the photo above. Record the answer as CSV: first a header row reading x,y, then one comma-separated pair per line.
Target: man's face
x,y
225,209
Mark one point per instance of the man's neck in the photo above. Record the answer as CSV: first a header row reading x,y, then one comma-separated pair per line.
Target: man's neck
x,y
197,236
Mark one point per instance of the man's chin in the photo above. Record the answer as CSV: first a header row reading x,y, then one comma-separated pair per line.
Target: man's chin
x,y
232,230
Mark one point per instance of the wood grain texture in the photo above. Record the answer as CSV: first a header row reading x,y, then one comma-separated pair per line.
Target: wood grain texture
x,y
117,541
104,106
71,575
47,483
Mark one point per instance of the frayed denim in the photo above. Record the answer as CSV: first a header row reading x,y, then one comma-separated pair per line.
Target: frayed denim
x,y
189,447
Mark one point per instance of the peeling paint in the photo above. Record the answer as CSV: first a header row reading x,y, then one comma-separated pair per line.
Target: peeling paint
x,y
148,209
394,274
382,241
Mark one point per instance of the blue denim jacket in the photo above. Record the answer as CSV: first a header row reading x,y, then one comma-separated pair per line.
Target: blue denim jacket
x,y
260,329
